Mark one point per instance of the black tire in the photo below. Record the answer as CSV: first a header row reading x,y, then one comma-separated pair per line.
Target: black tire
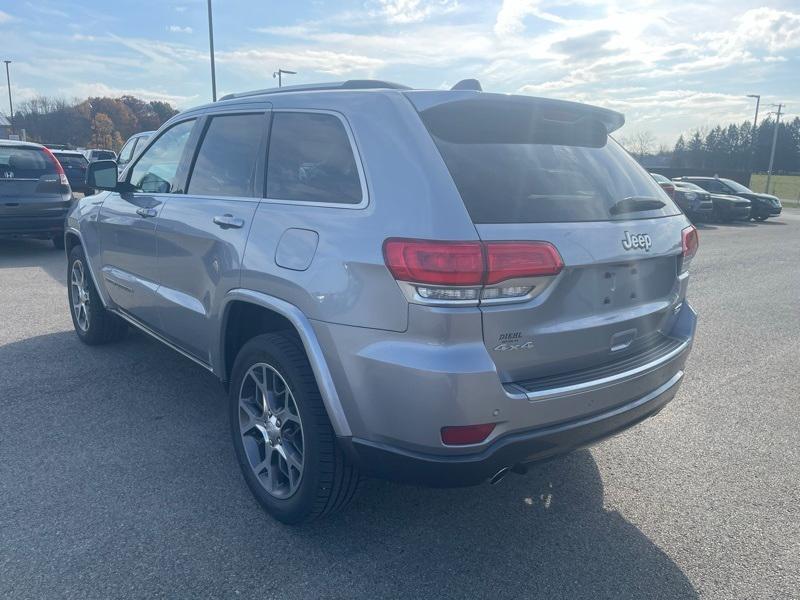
x,y
58,241
101,326
760,218
328,481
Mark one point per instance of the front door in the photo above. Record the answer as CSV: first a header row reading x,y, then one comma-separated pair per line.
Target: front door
x,y
127,224
201,235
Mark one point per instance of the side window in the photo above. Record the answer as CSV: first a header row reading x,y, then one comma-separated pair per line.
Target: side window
x,y
226,162
310,159
127,152
155,170
711,185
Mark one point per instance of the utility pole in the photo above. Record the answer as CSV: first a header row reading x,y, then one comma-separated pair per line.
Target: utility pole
x,y
211,52
774,142
279,74
10,105
754,131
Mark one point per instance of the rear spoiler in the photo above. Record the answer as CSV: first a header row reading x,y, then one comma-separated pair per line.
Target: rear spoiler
x,y
547,108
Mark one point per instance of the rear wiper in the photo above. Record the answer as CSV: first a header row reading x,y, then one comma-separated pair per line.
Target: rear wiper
x,y
635,204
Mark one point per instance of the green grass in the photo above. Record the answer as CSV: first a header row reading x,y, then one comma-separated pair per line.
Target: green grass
x,y
785,187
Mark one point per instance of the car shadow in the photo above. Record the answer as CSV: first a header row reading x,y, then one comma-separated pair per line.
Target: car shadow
x,y
140,471
22,252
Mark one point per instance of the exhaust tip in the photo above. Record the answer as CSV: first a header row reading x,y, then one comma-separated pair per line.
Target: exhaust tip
x,y
497,477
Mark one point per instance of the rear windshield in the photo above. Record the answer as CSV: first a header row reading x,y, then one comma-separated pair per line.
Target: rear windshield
x,y
71,160
24,163
585,178
103,155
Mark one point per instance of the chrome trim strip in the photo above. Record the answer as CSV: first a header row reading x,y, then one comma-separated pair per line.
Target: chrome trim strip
x,y
133,321
587,386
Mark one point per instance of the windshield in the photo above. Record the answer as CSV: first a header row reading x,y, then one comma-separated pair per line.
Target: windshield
x,y
736,186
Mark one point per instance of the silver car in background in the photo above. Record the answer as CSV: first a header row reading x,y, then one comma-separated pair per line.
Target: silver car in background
x,y
438,287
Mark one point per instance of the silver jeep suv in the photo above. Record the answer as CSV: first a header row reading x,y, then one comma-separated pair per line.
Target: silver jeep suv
x,y
430,286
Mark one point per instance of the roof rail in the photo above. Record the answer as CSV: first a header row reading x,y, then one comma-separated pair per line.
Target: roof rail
x,y
351,84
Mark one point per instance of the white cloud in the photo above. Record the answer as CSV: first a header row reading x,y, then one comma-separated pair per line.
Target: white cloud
x,y
179,29
263,61
5,17
414,11
84,90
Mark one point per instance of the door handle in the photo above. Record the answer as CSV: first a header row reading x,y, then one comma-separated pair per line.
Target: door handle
x,y
146,212
229,222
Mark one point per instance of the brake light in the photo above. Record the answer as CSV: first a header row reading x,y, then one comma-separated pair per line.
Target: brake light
x,y
690,241
437,263
62,177
469,271
461,435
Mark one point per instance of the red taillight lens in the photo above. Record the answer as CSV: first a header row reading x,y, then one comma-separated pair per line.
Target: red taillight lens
x,y
62,177
436,263
469,263
690,242
511,260
461,435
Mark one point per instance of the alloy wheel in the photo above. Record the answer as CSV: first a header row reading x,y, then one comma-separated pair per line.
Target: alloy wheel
x,y
271,430
80,295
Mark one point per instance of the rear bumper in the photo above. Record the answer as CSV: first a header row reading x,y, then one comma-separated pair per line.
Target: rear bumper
x,y
381,460
33,226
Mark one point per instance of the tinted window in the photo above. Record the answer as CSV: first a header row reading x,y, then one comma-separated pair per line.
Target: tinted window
x,y
155,170
24,163
711,185
521,176
226,163
310,159
69,161
104,155
127,151
736,186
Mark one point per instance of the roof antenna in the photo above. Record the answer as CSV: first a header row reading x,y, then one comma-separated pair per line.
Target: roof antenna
x,y
468,84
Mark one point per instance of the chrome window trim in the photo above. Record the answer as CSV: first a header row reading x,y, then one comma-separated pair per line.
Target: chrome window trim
x,y
356,156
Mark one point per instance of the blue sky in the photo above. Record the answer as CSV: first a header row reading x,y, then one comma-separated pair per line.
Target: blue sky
x,y
669,66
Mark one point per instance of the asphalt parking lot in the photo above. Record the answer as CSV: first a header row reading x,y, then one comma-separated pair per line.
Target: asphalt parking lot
x,y
117,478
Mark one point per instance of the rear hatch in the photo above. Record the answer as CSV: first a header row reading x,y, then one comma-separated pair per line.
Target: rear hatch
x,y
534,170
31,183
75,168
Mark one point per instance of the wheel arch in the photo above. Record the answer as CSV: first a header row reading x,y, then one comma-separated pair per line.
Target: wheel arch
x,y
72,238
280,315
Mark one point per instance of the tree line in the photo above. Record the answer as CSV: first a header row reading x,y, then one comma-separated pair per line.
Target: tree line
x,y
91,123
730,147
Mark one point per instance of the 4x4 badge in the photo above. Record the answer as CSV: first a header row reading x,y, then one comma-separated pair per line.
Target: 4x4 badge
x,y
637,241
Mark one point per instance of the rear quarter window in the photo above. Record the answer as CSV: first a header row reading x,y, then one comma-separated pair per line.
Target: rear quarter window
x,y
311,160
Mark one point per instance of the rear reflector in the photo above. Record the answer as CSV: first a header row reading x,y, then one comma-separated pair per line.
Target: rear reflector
x,y
469,263
461,435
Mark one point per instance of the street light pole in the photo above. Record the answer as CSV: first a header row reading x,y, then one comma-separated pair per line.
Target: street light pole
x,y
10,105
774,143
279,74
753,135
211,52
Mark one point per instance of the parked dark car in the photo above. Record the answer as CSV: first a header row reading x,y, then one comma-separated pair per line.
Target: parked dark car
x,y
697,204
74,164
762,206
132,147
34,192
726,208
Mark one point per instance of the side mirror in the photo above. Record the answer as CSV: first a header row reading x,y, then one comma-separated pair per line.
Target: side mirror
x,y
102,175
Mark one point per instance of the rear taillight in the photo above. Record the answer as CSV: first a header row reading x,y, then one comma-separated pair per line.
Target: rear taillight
x,y
62,177
466,272
462,435
690,241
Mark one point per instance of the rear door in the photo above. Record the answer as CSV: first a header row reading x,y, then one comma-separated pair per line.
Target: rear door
x,y
127,222
532,174
31,190
201,235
